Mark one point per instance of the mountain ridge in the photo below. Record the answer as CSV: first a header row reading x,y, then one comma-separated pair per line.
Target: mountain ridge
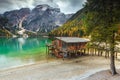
x,y
72,27
42,19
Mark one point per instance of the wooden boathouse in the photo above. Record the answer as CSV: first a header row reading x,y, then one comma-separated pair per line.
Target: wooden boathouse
x,y
67,46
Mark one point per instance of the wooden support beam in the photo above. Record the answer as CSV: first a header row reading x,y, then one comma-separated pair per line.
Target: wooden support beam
x,y
116,54
108,54
105,53
95,50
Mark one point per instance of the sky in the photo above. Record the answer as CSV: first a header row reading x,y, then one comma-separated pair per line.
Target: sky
x,y
66,6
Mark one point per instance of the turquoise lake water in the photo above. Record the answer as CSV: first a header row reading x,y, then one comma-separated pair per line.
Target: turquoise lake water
x,y
21,51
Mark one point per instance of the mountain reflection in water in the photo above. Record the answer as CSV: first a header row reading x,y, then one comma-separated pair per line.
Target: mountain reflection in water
x,y
21,51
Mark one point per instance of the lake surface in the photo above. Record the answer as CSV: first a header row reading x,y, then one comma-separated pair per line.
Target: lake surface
x,y
21,51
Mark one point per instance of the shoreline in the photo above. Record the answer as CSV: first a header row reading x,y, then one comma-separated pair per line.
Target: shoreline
x,y
69,69
26,65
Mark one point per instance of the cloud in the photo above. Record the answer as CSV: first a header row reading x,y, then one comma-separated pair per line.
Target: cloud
x,y
66,6
70,6
7,5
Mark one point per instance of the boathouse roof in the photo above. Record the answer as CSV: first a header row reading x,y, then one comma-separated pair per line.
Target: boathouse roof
x,y
72,39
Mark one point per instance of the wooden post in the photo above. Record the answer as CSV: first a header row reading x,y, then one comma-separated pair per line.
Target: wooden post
x,y
108,53
98,51
116,55
101,52
84,51
95,51
80,52
88,51
63,56
92,51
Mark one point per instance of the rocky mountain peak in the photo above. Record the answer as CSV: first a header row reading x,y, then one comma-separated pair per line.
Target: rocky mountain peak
x,y
42,7
42,18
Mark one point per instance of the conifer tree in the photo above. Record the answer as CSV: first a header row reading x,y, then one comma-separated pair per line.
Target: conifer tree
x,y
102,17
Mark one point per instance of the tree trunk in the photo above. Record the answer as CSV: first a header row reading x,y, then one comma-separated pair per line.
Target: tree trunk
x,y
112,56
112,63
112,41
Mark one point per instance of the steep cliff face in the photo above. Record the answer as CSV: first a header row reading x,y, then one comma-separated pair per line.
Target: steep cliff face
x,y
42,18
16,16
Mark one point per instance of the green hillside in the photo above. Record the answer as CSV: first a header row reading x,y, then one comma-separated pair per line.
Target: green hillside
x,y
3,23
73,27
4,32
86,20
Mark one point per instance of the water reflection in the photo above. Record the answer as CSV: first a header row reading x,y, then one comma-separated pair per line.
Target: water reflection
x,y
8,45
21,42
18,51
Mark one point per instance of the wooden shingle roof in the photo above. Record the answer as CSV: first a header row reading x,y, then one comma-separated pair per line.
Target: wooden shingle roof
x,y
72,39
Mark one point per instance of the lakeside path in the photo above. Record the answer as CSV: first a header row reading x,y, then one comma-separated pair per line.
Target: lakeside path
x,y
69,69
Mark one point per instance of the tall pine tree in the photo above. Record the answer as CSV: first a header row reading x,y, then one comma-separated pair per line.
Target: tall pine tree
x,y
102,17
